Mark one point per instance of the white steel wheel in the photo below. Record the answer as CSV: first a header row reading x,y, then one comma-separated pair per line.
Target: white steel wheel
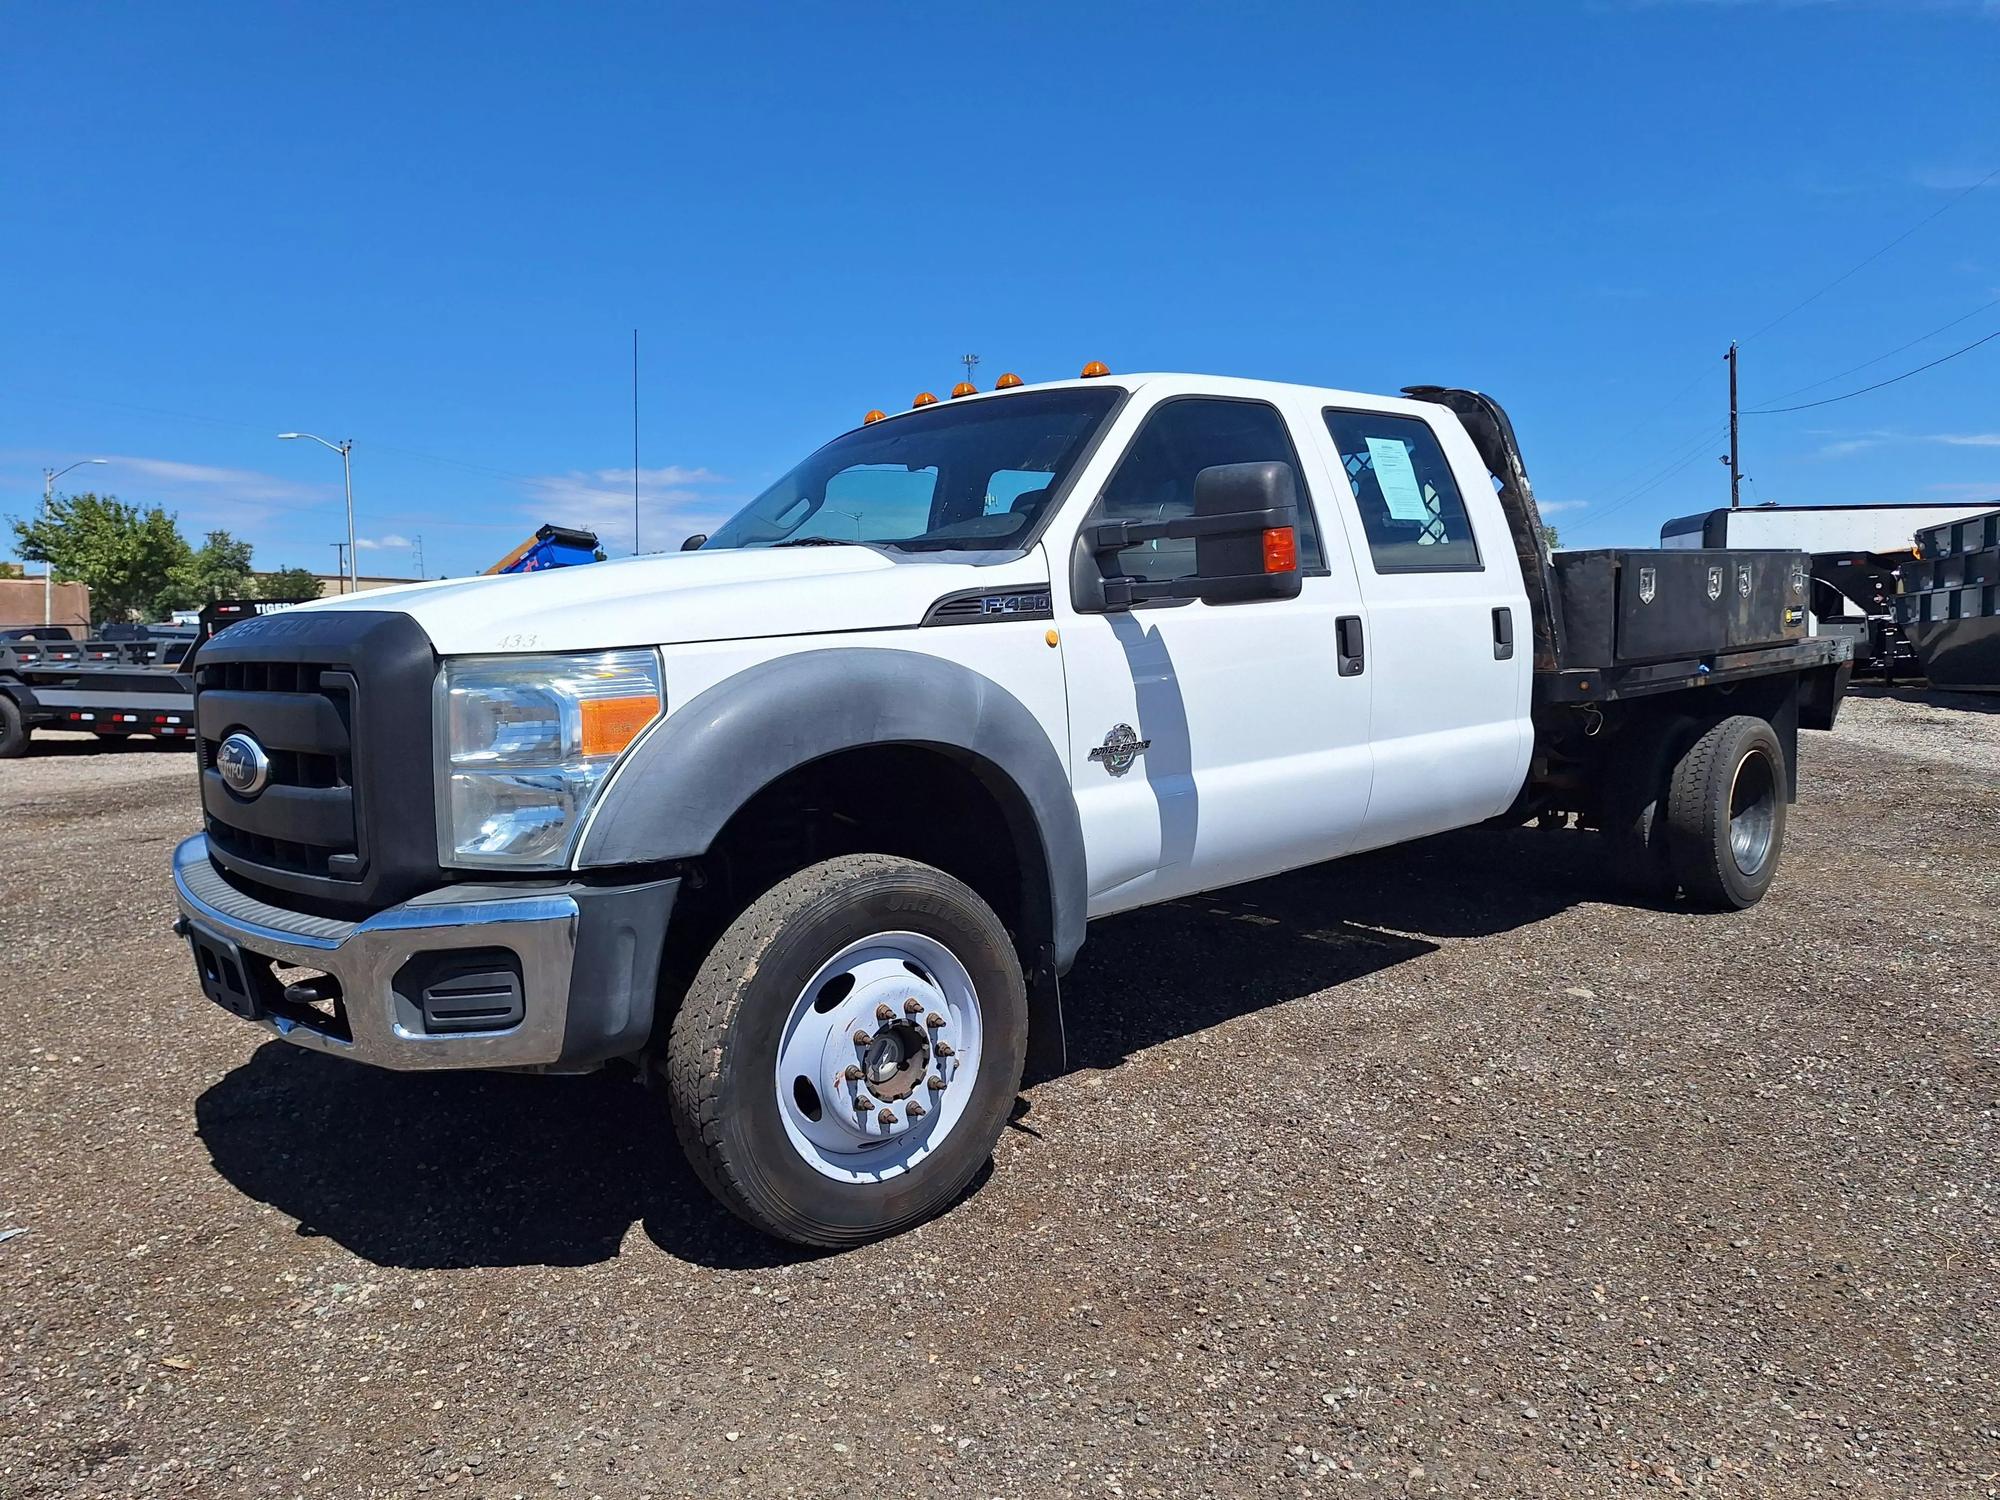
x,y
849,1051
880,1057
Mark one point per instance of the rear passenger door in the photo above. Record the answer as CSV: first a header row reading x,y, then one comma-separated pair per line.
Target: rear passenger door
x,y
1449,638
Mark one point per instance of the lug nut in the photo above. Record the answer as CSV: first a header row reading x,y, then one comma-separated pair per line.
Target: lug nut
x,y
887,1117
934,1019
935,1083
944,1049
853,1073
863,1038
863,1103
912,1005
914,1110
883,1013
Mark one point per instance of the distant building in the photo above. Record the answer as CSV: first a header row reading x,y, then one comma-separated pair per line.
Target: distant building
x,y
336,583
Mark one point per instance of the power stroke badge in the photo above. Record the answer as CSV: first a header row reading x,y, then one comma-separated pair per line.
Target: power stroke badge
x,y
1121,747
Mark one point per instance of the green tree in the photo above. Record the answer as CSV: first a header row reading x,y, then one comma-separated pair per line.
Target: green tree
x,y
220,570
289,583
1551,538
134,561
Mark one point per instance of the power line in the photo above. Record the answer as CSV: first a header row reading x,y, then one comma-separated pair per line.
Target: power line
x,y
1943,208
1856,369
1772,411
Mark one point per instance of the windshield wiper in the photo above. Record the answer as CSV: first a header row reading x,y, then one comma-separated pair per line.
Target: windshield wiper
x,y
820,541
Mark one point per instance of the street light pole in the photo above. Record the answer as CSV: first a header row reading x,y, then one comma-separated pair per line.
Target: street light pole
x,y
344,447
49,478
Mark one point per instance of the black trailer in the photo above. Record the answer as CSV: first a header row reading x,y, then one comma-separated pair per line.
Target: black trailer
x,y
1950,604
132,684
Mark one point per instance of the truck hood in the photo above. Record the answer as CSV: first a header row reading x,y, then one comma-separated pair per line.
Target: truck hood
x,y
679,598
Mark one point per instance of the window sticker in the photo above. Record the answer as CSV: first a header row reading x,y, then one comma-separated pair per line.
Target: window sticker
x,y
1393,472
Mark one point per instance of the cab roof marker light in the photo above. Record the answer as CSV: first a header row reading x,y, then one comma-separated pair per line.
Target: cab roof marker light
x,y
874,416
964,388
1007,382
1094,369
924,398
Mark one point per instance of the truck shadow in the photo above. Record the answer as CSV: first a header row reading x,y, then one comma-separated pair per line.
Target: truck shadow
x,y
459,1170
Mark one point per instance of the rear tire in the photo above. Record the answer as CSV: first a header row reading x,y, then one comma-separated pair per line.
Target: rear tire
x,y
14,733
1634,817
1726,814
760,1053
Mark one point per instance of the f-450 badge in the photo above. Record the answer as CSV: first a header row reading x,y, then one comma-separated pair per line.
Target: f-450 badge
x,y
1121,747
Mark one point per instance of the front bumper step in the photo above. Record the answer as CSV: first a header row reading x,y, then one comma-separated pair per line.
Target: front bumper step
x,y
463,977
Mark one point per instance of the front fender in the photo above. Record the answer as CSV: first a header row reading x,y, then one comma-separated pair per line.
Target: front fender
x,y
686,779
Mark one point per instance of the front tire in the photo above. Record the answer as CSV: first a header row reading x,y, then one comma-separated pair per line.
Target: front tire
x,y
1726,814
849,1051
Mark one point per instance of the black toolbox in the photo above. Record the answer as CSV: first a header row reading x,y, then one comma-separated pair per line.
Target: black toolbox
x,y
1623,606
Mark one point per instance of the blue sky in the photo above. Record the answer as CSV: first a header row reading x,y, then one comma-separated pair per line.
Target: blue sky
x,y
433,229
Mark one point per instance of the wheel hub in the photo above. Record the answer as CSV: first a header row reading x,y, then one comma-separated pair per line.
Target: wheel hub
x,y
879,1055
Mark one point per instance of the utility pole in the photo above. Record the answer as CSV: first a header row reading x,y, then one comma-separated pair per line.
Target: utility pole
x,y
1735,467
968,360
340,553
49,478
345,448
420,554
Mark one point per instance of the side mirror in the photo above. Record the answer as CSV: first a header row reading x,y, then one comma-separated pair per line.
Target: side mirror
x,y
694,541
1245,534
1257,555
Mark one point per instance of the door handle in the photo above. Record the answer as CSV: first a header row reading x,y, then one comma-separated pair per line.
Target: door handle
x,y
1503,634
1348,644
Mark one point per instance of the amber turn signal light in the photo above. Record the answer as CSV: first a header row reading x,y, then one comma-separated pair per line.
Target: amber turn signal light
x,y
1281,550
924,398
610,724
1095,368
1007,382
874,416
964,388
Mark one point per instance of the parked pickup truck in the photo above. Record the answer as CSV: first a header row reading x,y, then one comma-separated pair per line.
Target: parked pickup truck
x,y
808,821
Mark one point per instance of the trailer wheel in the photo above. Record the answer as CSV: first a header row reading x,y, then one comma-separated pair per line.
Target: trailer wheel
x,y
14,733
1726,814
845,1059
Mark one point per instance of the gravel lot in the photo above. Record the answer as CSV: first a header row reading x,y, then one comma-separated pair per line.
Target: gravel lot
x,y
1424,1173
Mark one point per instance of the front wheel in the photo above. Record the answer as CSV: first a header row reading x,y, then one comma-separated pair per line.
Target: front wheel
x,y
1726,814
846,1057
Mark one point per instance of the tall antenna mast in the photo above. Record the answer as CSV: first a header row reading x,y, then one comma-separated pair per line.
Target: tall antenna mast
x,y
420,554
968,360
635,442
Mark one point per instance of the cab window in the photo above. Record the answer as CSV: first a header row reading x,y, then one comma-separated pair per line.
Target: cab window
x,y
1403,486
1154,481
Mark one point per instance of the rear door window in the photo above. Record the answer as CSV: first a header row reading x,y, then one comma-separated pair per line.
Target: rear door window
x,y
1411,508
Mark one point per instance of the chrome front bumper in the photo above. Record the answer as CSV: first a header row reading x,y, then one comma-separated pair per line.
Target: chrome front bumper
x,y
381,1025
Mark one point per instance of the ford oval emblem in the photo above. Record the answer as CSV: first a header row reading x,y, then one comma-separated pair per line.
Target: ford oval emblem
x,y
242,764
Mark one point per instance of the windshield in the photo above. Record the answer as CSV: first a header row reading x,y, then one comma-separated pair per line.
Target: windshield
x,y
974,476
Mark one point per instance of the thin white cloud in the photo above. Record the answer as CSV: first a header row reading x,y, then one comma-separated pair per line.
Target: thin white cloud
x,y
1966,439
1557,507
140,478
675,501
380,543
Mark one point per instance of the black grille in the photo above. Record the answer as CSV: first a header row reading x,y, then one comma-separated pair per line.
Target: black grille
x,y
339,701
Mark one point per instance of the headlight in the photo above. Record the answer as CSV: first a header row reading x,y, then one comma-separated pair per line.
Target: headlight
x,y
528,743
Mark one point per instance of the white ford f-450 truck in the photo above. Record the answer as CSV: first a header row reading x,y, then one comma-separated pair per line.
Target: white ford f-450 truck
x,y
809,819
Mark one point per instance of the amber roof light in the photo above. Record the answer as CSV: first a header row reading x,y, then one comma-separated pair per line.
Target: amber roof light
x,y
1094,369
924,398
1007,382
964,388
874,416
